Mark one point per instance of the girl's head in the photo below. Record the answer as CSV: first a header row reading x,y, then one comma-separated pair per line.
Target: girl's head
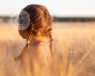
x,y
40,24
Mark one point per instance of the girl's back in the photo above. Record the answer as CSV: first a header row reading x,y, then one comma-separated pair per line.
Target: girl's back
x,y
31,59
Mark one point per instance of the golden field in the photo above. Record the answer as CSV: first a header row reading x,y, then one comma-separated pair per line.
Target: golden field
x,y
74,50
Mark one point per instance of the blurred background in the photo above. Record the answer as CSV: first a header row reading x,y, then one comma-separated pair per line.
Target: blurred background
x,y
61,11
73,33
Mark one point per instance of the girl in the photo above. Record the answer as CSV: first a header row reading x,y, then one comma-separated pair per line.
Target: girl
x,y
36,50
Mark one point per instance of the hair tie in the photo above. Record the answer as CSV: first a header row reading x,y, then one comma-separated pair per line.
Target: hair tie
x,y
51,39
27,42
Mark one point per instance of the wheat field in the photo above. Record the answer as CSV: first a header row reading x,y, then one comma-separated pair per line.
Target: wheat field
x,y
74,51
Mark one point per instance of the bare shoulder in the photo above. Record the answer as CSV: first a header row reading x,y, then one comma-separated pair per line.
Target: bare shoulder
x,y
40,54
39,50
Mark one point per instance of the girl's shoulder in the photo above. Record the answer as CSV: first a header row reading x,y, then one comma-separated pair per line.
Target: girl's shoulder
x,y
46,50
42,51
41,47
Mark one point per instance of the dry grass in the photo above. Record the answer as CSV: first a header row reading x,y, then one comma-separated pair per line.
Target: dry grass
x,y
74,51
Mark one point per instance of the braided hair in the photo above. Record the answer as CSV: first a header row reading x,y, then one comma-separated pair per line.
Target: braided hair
x,y
40,24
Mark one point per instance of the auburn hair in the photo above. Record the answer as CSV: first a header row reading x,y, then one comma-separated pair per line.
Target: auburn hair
x,y
40,24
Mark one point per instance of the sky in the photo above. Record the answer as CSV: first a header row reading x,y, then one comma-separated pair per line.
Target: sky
x,y
61,8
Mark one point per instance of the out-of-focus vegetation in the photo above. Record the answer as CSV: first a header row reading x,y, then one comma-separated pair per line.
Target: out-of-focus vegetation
x,y
74,52
73,19
4,19
59,19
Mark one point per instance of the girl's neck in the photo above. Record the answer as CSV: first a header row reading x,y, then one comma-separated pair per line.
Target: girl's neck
x,y
36,39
